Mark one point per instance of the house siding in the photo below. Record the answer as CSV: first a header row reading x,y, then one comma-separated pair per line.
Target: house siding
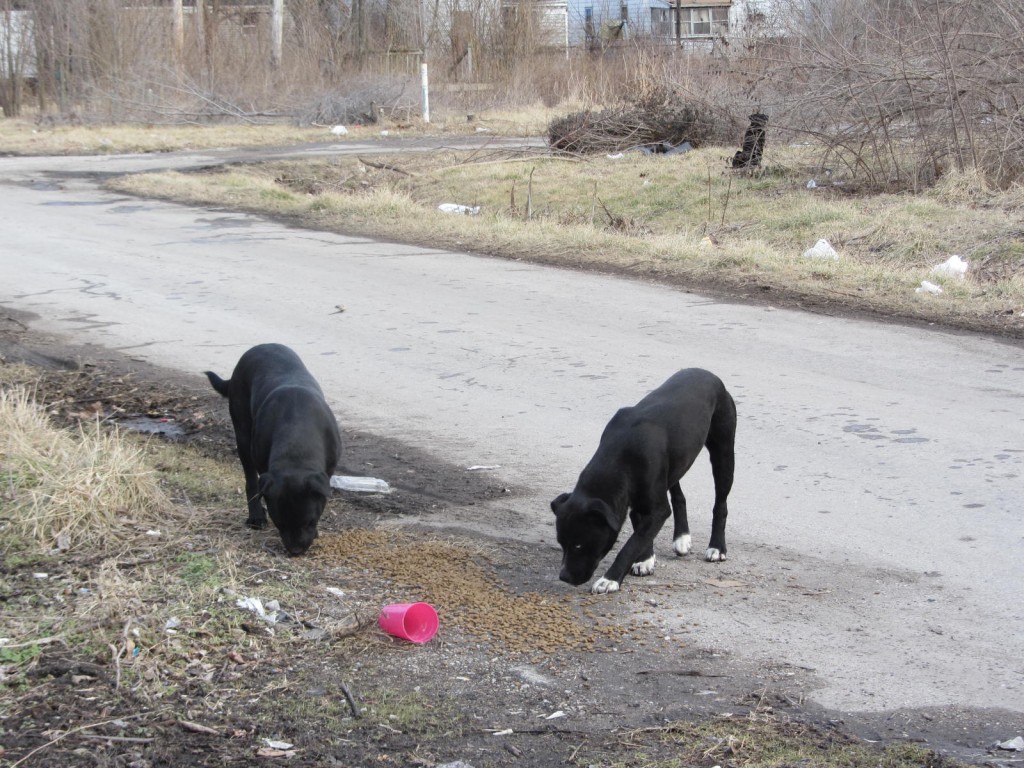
x,y
600,21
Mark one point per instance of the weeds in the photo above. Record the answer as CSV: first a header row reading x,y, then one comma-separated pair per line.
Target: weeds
x,y
89,489
676,219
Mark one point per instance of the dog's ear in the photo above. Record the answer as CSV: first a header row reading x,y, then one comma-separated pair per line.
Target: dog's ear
x,y
558,501
319,484
268,481
606,514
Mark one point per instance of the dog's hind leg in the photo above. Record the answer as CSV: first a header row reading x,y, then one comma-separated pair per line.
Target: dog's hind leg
x,y
721,444
243,440
681,543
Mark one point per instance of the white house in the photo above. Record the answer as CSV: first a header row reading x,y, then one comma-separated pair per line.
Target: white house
x,y
692,24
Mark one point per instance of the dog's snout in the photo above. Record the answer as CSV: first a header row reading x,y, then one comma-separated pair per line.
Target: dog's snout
x,y
570,578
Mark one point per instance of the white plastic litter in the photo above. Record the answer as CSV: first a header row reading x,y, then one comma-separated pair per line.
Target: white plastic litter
x,y
482,467
1013,745
555,715
456,208
954,266
255,605
927,287
274,744
360,484
812,184
616,156
822,250
339,130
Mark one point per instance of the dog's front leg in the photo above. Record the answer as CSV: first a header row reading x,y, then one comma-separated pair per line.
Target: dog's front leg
x,y
257,515
638,549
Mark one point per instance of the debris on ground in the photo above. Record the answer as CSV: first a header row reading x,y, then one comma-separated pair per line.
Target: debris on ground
x,y
658,120
927,287
954,266
749,154
466,210
360,484
821,250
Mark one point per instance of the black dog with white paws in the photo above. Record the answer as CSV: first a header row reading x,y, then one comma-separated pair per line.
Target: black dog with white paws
x,y
643,453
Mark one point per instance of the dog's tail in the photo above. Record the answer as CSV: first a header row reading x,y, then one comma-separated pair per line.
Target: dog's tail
x,y
218,383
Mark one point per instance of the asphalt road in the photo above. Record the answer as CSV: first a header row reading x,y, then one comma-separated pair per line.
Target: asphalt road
x,y
876,516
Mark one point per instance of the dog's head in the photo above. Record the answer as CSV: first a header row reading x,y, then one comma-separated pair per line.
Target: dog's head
x,y
295,502
587,529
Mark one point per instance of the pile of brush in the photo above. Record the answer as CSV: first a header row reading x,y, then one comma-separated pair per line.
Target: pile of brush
x,y
665,122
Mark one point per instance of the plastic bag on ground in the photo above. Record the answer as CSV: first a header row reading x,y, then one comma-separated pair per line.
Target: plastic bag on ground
x,y
360,484
822,250
954,266
456,208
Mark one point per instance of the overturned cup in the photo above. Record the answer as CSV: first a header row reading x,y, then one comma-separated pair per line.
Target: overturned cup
x,y
415,622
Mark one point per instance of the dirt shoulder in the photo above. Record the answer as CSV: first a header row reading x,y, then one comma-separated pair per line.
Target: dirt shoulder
x,y
521,673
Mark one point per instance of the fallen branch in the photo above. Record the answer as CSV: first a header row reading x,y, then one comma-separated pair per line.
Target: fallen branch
x,y
127,739
72,732
29,643
385,167
198,728
351,702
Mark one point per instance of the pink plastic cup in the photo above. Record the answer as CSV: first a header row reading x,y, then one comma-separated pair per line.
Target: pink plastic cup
x,y
415,622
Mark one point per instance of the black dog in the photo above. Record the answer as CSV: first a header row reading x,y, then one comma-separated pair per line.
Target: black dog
x,y
288,441
643,453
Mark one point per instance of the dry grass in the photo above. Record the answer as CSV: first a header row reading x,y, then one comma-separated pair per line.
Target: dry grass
x,y
684,220
25,136
69,491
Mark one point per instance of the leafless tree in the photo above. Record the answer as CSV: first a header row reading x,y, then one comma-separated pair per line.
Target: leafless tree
x,y
904,90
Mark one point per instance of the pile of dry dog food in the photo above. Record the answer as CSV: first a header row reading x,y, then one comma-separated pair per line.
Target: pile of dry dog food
x,y
465,593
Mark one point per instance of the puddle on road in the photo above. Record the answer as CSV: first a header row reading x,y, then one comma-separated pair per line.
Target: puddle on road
x,y
166,428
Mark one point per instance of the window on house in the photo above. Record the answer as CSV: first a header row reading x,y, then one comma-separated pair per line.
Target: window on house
x,y
661,22
704,22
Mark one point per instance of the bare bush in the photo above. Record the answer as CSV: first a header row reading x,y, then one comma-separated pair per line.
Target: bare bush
x,y
901,91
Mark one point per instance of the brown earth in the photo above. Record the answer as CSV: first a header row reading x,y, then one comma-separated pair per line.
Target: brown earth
x,y
521,673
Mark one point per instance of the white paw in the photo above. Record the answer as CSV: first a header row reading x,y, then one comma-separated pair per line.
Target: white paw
x,y
714,556
682,545
644,567
603,586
